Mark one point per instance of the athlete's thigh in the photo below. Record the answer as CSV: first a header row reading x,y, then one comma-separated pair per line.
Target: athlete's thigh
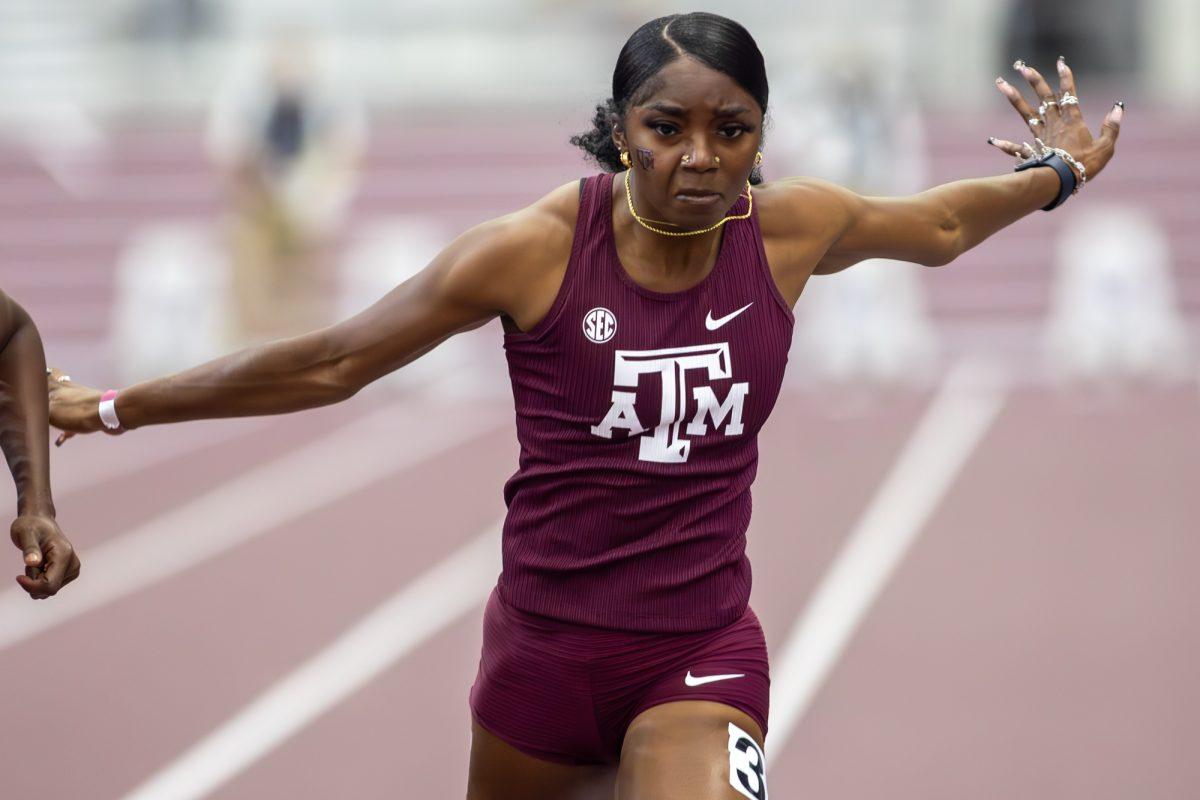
x,y
689,750
501,772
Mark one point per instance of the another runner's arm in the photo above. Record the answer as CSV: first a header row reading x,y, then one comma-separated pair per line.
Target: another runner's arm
x,y
50,559
23,430
495,268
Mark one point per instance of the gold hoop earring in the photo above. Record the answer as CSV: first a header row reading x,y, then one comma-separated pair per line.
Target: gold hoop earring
x,y
758,159
625,158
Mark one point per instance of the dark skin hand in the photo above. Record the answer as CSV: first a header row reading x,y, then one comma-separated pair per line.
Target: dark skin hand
x,y
1061,125
50,560
513,266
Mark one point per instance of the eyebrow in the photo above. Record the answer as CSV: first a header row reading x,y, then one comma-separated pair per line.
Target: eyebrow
x,y
666,108
678,111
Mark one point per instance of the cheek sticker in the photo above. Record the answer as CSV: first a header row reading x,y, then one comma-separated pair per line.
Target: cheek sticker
x,y
747,765
645,158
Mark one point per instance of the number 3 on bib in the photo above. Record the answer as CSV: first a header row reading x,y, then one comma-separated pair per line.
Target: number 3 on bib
x,y
747,765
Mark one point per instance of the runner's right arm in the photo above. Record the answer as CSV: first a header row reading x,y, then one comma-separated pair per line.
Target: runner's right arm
x,y
50,560
512,266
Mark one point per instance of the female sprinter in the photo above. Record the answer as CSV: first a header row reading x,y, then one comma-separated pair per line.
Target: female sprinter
x,y
647,313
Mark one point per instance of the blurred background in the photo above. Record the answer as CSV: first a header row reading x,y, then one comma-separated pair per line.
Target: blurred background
x,y
976,507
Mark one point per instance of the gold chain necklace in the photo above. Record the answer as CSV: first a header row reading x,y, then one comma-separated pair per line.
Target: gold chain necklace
x,y
641,221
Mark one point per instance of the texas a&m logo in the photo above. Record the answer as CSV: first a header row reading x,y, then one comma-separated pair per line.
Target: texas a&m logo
x,y
678,368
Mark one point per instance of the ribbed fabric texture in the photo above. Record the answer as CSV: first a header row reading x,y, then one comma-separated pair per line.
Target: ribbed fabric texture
x,y
638,429
567,693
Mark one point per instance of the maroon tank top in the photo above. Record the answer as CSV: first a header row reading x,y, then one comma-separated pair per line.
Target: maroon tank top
x,y
638,415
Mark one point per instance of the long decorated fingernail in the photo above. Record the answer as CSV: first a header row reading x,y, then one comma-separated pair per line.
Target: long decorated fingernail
x,y
999,82
1062,66
991,140
1121,103
1019,65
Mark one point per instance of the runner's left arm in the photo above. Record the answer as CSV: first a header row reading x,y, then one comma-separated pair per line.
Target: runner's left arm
x,y
936,226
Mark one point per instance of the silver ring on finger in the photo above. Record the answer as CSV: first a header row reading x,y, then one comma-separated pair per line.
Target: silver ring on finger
x,y
63,378
1068,99
1035,121
1045,105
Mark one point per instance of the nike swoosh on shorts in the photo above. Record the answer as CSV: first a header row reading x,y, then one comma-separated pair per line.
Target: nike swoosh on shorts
x,y
691,680
713,324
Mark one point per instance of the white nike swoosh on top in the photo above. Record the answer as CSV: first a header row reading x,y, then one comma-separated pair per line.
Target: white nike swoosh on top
x,y
713,324
693,681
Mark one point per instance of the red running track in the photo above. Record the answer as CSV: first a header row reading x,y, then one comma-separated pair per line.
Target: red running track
x,y
1037,639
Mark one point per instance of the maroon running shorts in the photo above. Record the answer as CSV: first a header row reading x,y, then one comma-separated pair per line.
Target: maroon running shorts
x,y
567,693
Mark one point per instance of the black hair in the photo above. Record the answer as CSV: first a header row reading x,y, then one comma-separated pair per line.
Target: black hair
x,y
715,41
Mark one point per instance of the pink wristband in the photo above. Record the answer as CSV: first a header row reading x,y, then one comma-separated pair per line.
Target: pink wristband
x,y
108,410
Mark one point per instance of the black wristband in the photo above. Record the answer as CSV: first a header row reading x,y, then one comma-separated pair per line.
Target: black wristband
x,y
1067,179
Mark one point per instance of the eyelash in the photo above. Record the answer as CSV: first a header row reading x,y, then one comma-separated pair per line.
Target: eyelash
x,y
657,126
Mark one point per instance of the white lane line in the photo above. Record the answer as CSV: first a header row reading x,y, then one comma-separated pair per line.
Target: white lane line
x,y
967,403
251,504
397,627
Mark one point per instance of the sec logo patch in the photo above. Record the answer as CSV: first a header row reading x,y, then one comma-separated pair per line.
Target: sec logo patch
x,y
599,325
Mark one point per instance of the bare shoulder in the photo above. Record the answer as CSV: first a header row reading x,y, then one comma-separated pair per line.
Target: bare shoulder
x,y
550,220
802,206
10,315
800,218
516,263
539,233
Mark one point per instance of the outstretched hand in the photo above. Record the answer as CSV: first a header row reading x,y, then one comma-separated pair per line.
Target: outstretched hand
x,y
74,408
1058,120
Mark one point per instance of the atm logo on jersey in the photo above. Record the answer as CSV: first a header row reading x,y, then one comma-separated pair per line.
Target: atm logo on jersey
x,y
677,368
